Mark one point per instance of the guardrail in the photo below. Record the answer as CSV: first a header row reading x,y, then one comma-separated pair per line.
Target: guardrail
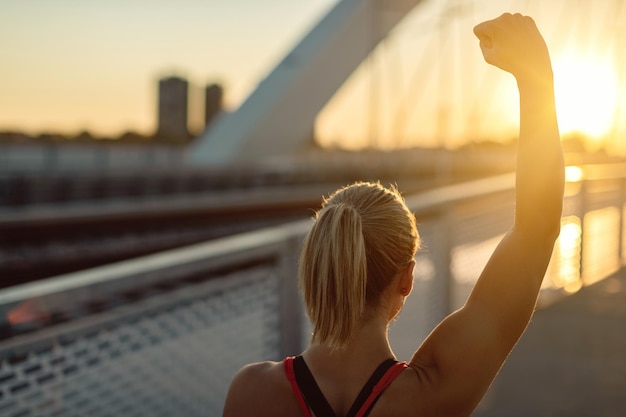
x,y
158,334
163,334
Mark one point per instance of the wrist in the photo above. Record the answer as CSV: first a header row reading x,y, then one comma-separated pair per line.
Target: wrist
x,y
536,79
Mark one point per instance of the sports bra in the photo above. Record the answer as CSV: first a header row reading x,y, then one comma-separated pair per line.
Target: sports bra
x,y
311,399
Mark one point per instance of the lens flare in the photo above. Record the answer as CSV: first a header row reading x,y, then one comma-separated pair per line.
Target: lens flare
x,y
573,173
586,94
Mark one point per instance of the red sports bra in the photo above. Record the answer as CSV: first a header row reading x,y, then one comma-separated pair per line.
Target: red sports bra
x,y
311,399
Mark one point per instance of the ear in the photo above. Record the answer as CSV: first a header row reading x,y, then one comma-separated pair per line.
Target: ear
x,y
405,283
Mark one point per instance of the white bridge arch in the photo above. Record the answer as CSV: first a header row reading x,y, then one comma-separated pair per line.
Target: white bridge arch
x,y
278,118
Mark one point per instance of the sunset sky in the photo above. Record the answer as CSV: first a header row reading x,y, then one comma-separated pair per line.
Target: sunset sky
x,y
70,65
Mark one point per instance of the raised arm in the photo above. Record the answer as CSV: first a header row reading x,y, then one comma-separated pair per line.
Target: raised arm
x,y
463,354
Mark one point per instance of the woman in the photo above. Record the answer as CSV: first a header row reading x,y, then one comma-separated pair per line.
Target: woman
x,y
356,270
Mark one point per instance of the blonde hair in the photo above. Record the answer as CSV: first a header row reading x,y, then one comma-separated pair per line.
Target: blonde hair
x,y
361,238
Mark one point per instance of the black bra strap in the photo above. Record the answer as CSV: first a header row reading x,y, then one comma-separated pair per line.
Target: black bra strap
x,y
310,390
369,387
315,398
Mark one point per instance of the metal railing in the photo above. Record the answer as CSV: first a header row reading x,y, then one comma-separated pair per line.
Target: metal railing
x,y
165,333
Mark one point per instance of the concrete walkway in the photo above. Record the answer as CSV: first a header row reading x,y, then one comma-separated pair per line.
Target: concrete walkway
x,y
571,361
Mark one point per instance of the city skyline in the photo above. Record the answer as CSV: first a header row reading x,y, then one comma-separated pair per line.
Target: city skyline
x,y
76,66
67,64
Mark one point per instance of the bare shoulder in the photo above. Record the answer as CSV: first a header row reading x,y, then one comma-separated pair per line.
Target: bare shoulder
x,y
407,395
259,370
260,389
417,391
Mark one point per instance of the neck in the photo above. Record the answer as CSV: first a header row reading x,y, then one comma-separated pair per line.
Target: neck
x,y
368,343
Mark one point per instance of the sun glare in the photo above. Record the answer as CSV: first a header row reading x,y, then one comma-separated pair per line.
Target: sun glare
x,y
573,173
568,253
586,95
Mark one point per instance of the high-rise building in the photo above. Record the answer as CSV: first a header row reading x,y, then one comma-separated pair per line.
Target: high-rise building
x,y
173,111
213,95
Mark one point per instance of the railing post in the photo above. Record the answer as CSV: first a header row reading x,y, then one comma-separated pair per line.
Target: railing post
x,y
290,301
441,252
582,201
620,237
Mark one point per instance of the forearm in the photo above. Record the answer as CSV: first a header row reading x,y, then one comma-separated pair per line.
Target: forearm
x,y
507,290
540,172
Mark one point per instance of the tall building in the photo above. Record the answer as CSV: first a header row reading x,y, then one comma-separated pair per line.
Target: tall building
x,y
173,110
213,95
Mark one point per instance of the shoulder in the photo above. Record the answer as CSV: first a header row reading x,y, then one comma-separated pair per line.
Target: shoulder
x,y
257,378
257,388
418,392
258,370
408,394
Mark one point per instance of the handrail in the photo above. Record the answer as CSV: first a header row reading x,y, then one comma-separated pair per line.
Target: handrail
x,y
153,268
456,193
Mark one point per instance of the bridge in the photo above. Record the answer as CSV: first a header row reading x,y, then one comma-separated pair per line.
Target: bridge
x,y
163,333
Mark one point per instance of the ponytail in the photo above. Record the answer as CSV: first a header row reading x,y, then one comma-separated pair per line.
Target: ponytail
x,y
333,271
361,238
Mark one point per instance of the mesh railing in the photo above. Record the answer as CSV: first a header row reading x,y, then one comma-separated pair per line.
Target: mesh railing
x,y
164,334
160,335
167,356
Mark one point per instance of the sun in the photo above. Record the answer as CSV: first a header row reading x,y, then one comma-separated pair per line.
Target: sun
x,y
586,95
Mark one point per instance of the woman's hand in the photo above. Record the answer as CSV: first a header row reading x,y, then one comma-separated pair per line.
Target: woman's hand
x,y
513,43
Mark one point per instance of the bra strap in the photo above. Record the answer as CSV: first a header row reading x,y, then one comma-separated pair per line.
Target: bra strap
x,y
391,374
311,399
291,376
311,391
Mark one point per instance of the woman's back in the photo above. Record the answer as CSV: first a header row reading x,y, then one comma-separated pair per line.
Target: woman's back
x,y
266,391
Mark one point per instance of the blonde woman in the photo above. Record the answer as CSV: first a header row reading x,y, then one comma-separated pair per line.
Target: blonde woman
x,y
356,269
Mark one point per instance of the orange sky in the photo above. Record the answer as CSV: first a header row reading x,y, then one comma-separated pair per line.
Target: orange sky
x,y
70,65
